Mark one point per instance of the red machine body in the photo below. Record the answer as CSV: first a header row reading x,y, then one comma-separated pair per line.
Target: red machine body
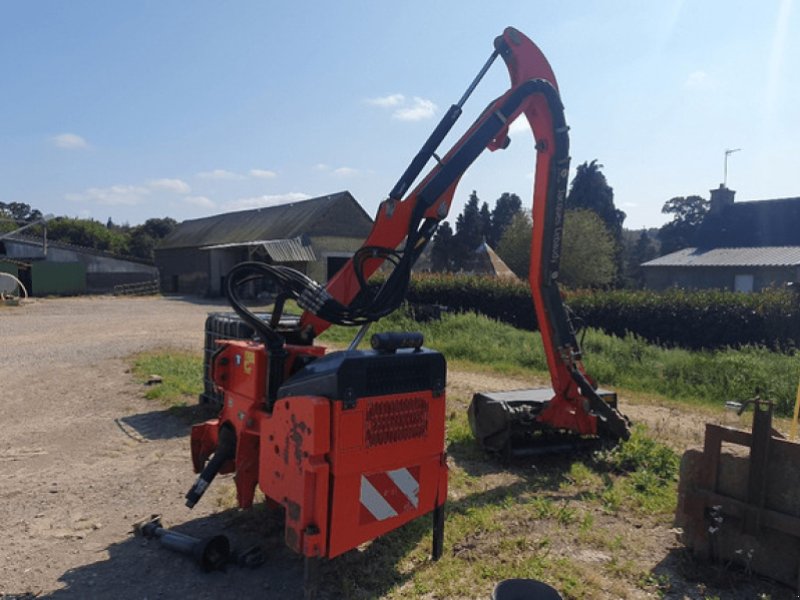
x,y
351,443
347,468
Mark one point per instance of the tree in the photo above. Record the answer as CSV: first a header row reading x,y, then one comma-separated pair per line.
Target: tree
x,y
158,228
587,251
485,216
141,244
687,216
88,233
590,190
19,211
442,248
469,231
506,207
637,252
515,245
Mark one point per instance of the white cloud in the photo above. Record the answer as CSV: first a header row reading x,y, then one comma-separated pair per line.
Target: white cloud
x,y
263,173
266,200
199,201
389,101
338,171
403,109
171,185
698,80
420,109
219,174
69,141
115,195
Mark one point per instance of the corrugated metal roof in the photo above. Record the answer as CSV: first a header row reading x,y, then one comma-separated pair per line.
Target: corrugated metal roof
x,y
21,238
280,251
767,256
336,214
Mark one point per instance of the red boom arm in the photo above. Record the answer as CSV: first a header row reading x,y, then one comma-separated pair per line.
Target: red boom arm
x,y
533,92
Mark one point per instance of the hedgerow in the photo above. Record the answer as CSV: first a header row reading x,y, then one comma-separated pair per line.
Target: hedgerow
x,y
704,319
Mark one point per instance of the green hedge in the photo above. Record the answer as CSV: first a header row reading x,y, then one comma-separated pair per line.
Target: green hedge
x,y
688,319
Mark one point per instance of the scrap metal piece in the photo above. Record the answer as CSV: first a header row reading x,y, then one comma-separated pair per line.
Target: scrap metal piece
x,y
211,553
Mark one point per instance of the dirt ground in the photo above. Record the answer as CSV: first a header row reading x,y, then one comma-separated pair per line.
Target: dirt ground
x,y
83,456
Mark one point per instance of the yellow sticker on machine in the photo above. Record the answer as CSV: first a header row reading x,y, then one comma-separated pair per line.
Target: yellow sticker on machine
x,y
249,361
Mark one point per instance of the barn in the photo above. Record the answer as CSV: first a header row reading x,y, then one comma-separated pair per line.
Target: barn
x,y
316,236
48,267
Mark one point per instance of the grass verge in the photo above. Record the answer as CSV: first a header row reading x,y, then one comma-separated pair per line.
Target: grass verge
x,y
181,375
705,377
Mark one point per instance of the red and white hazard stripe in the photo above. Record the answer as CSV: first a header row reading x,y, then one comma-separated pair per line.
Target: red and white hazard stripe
x,y
387,494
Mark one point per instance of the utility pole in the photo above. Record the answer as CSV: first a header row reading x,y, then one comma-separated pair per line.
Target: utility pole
x,y
727,154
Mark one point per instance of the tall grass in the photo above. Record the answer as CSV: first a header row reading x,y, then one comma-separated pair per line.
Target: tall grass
x,y
707,377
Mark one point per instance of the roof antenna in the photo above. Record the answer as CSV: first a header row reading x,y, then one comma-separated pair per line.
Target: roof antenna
x,y
727,154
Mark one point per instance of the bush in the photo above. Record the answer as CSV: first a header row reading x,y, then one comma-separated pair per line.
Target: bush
x,y
707,319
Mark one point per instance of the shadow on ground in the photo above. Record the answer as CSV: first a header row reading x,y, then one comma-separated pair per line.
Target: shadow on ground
x,y
139,568
689,577
166,423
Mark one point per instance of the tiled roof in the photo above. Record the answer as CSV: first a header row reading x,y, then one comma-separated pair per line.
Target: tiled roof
x,y
768,256
753,223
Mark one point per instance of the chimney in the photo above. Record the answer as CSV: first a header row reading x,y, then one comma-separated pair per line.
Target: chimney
x,y
721,198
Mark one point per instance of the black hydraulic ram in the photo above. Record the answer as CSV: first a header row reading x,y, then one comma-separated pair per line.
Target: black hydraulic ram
x,y
226,450
435,139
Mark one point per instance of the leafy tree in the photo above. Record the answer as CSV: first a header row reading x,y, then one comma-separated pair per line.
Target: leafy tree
x,y
587,251
442,248
88,233
590,190
506,207
687,216
19,211
141,244
138,241
515,245
158,228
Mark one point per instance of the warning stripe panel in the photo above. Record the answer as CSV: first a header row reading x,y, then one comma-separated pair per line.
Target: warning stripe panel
x,y
374,502
407,484
387,494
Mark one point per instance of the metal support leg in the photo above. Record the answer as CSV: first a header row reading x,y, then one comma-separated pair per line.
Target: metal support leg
x,y
438,532
310,577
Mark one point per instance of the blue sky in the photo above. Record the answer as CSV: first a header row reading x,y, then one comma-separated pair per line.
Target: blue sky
x,y
132,110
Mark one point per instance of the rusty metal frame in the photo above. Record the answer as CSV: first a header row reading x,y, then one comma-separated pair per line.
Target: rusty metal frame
x,y
754,516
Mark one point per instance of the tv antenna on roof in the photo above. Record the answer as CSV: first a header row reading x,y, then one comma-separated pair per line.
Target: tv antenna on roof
x,y
727,154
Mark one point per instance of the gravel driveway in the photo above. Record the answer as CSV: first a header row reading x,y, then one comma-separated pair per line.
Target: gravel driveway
x,y
83,456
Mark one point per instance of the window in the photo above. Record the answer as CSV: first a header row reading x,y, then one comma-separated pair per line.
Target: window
x,y
334,263
743,283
